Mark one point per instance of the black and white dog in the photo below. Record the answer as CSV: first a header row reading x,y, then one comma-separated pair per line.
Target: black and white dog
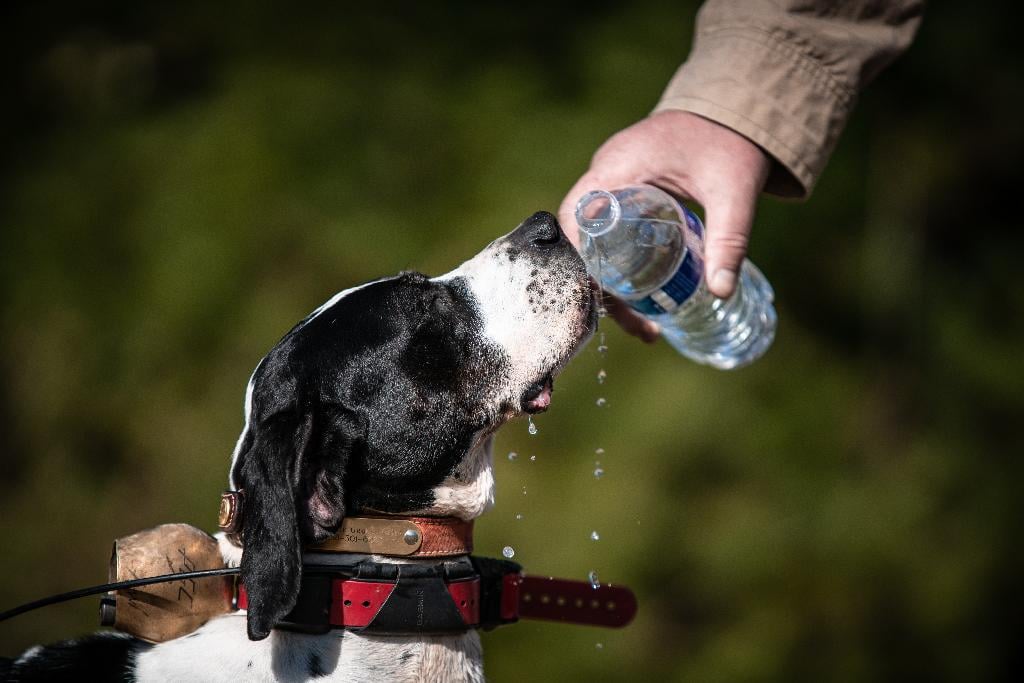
x,y
385,399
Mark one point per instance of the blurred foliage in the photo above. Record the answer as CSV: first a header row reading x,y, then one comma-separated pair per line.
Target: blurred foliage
x,y
182,182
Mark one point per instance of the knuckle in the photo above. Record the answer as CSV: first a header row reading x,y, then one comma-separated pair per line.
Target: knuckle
x,y
729,242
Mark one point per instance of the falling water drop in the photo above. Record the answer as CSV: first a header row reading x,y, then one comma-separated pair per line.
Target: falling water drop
x,y
594,536
599,646
513,455
601,376
524,490
592,577
598,472
519,516
598,451
508,552
601,402
533,458
532,428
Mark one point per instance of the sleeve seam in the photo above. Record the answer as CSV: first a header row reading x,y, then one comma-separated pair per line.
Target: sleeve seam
x,y
763,138
783,44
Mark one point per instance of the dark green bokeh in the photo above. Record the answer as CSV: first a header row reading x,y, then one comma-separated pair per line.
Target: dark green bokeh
x,y
182,184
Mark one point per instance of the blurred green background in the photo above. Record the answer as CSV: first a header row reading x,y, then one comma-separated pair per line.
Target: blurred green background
x,y
182,182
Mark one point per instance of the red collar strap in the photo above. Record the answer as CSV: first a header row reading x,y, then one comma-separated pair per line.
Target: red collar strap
x,y
392,536
447,598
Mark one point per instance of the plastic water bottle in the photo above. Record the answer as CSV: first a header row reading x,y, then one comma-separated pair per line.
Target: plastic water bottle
x,y
648,249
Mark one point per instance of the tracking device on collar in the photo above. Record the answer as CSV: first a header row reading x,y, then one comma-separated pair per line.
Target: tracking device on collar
x,y
444,598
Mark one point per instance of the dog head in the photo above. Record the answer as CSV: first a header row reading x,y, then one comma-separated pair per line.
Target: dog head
x,y
388,390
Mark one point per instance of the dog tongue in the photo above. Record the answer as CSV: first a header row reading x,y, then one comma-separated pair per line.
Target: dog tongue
x,y
541,401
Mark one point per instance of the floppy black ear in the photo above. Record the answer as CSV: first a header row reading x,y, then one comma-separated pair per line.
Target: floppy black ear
x,y
271,567
293,476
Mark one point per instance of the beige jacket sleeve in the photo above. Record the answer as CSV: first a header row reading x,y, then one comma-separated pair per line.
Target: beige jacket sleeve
x,y
785,73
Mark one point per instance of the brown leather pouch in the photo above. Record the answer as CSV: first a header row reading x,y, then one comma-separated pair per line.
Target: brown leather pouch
x,y
164,611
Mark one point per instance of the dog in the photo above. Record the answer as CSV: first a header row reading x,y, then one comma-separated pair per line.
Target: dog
x,y
383,400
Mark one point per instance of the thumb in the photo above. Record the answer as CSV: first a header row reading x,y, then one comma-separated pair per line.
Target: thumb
x,y
728,234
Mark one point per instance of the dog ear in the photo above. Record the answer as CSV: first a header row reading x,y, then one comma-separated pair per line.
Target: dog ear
x,y
271,567
293,476
322,468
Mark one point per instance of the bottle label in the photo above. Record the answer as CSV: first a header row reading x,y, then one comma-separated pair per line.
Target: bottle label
x,y
673,293
684,281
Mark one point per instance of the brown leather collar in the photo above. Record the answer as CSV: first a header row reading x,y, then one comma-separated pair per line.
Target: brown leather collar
x,y
396,536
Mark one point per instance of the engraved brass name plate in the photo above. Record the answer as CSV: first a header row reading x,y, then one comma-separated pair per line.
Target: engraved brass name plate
x,y
373,535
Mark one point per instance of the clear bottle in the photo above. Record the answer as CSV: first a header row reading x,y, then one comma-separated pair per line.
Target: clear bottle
x,y
648,249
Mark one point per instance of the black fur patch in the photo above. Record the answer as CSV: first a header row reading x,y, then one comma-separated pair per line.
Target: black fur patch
x,y
315,667
99,657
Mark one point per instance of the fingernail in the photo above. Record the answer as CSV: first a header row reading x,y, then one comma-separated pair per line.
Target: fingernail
x,y
723,280
651,331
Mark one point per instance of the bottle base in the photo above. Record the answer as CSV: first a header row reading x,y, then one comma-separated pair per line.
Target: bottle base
x,y
730,333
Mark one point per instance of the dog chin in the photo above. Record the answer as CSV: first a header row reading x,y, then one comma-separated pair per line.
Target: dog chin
x,y
538,396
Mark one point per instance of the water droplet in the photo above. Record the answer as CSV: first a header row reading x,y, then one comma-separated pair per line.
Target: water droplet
x,y
508,552
592,577
524,490
532,428
513,455
601,348
601,376
594,536
599,646
598,451
519,516
598,472
601,402
533,458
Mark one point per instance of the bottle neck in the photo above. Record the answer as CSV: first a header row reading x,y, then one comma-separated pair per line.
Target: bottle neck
x,y
598,213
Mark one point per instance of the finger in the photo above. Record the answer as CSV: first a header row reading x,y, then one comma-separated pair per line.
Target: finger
x,y
630,321
728,235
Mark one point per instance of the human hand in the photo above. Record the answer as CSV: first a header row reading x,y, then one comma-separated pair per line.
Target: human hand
x,y
692,158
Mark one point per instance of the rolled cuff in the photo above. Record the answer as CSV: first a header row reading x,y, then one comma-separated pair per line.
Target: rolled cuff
x,y
772,92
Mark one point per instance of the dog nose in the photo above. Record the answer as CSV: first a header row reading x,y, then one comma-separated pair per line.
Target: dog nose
x,y
542,230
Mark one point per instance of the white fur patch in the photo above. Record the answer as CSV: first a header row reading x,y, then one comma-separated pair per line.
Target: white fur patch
x,y
537,315
221,651
231,553
470,492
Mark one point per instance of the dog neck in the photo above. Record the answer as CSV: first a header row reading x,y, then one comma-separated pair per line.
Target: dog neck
x,y
466,494
469,491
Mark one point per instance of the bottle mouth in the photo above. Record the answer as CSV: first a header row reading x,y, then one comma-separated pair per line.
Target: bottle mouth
x,y
597,212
